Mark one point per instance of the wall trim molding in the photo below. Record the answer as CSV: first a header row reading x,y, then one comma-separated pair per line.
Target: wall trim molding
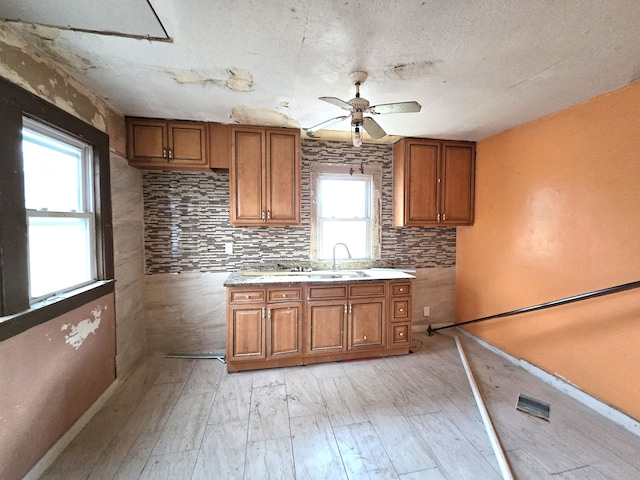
x,y
54,452
566,387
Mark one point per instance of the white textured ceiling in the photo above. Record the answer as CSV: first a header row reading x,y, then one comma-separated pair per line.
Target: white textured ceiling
x,y
476,67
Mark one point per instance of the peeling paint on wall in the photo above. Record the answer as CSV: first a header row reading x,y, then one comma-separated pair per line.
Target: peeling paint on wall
x,y
240,80
26,62
83,329
44,39
246,115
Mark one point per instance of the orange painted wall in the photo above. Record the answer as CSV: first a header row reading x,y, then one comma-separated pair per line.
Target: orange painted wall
x,y
49,376
558,214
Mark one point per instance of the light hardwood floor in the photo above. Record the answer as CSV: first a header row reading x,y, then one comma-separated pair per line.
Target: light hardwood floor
x,y
410,417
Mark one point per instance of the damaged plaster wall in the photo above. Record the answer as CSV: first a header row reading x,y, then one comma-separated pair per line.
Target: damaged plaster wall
x,y
50,374
30,58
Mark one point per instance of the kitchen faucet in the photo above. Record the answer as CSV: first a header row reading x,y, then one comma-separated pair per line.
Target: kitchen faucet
x,y
333,265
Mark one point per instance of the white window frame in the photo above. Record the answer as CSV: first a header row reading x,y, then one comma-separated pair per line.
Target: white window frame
x,y
86,203
373,175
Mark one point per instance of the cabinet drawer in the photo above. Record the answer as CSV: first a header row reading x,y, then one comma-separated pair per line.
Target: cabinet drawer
x,y
283,294
335,291
400,335
400,289
367,290
401,309
246,296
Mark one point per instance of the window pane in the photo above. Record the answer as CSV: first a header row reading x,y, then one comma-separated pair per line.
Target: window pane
x,y
52,174
343,198
352,233
59,254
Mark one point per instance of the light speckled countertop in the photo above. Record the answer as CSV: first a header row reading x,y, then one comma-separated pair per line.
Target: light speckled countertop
x,y
239,279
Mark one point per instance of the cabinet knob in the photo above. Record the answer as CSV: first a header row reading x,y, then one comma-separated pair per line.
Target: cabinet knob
x,y
364,337
246,296
284,295
402,289
401,334
402,309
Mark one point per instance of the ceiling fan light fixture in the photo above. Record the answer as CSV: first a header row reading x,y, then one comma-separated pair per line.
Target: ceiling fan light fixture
x,y
356,136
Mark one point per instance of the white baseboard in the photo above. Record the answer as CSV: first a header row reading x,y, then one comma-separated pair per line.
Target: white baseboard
x,y
47,460
566,387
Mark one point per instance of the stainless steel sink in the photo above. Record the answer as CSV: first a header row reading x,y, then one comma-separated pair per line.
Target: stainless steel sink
x,y
320,274
313,275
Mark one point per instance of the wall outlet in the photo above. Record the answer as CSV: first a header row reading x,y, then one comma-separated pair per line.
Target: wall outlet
x,y
228,248
427,311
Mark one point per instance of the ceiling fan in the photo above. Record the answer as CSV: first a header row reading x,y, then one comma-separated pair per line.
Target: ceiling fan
x,y
358,106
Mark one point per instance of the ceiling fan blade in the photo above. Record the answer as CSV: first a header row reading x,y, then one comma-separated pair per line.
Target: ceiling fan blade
x,y
337,102
400,107
372,128
326,124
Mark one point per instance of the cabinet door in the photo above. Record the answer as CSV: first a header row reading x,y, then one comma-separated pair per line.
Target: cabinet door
x,y
326,322
246,177
422,188
188,143
283,327
458,182
147,141
283,177
246,330
366,324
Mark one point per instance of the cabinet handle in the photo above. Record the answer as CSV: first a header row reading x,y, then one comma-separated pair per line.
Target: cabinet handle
x,y
263,313
345,308
438,218
269,314
364,337
164,153
268,214
350,305
262,217
170,154
444,217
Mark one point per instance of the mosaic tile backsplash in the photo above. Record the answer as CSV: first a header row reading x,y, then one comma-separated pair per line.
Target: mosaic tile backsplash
x,y
187,221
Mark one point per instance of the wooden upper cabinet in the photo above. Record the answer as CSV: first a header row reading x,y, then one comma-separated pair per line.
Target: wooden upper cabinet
x,y
264,176
458,183
167,145
433,182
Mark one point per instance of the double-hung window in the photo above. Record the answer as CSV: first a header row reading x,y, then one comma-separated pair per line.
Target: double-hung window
x,y
59,203
346,210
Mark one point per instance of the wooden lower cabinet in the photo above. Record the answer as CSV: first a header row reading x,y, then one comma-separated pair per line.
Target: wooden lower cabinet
x,y
283,329
366,324
289,325
326,327
263,332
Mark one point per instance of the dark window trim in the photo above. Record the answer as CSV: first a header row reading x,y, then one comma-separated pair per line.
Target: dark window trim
x,y
16,315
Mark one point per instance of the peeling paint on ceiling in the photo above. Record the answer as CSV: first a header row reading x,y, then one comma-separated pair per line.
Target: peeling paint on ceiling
x,y
246,115
240,80
477,68
186,77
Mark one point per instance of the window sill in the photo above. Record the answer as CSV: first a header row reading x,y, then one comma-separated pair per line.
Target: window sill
x,y
46,310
